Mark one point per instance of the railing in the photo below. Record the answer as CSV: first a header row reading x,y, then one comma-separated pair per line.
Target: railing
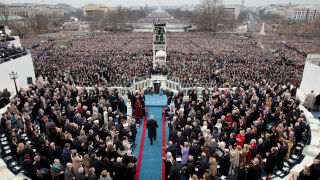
x,y
208,85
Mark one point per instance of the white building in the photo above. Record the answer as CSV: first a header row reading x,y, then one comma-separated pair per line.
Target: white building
x,y
306,13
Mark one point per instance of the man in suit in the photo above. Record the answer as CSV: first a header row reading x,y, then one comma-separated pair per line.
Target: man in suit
x,y
96,163
91,149
68,174
91,174
80,174
174,171
55,152
152,126
41,162
254,172
225,162
172,148
66,154
203,165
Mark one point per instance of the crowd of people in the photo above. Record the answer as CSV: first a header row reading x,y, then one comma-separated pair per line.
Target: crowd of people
x,y
116,59
7,49
89,133
74,133
4,97
230,132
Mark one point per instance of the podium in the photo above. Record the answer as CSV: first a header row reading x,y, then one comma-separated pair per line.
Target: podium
x,y
156,87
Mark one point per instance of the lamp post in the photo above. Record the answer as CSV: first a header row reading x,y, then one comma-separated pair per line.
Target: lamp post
x,y
14,76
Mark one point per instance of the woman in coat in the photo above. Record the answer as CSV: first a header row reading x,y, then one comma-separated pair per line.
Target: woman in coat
x,y
244,153
240,138
76,161
235,157
189,168
57,172
167,162
185,153
138,110
129,107
213,163
28,167
86,163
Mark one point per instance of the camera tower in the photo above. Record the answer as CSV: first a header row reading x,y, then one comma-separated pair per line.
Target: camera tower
x,y
159,44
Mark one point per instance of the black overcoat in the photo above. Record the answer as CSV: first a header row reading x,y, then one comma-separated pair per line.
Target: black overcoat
x,y
152,126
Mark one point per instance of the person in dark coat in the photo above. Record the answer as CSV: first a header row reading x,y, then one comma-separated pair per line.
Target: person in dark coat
x,y
96,163
271,160
254,171
241,172
66,154
203,165
174,171
41,162
68,174
167,162
282,152
80,174
122,106
55,152
225,163
92,175
152,126
315,169
172,148
28,167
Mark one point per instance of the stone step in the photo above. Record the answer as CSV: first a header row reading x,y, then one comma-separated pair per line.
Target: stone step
x,y
311,150
3,165
6,174
20,176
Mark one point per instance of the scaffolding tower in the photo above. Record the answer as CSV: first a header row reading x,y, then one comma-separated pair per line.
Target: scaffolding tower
x,y
159,45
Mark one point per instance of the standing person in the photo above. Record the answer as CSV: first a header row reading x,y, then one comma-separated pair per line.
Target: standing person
x,y
225,162
270,163
235,157
213,165
68,174
310,100
76,161
28,167
129,107
174,171
167,162
138,110
152,126
185,153
57,170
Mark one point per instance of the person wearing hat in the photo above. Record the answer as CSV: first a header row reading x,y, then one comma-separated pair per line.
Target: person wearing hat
x,y
152,126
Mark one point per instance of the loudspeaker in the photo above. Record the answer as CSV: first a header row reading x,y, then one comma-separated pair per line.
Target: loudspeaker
x,y
29,80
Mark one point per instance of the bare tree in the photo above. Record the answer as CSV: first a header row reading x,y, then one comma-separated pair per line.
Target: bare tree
x,y
210,15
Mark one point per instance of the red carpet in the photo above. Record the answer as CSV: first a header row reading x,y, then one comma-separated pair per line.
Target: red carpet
x,y
142,144
163,143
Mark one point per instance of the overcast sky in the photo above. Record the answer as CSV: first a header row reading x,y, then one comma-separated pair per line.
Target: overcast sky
x,y
114,3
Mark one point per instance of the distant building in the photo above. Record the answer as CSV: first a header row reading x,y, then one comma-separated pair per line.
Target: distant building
x,y
279,9
29,10
306,13
233,10
90,9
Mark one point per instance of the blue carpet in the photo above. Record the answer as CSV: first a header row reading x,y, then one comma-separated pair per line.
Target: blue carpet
x,y
316,114
156,100
151,164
